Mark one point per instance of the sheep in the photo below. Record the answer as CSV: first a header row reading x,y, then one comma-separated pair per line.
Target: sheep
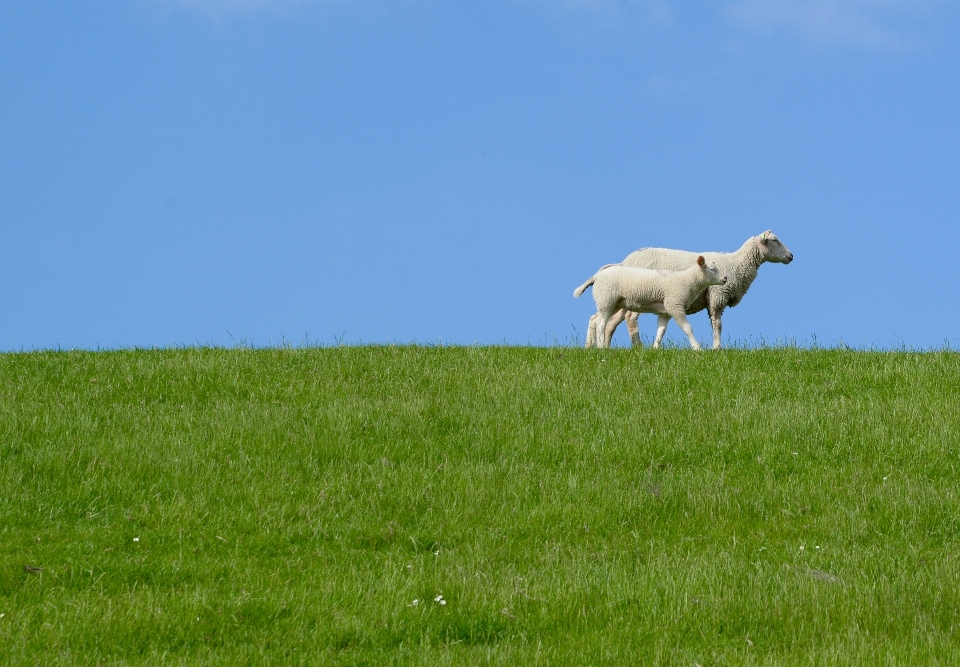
x,y
740,267
667,293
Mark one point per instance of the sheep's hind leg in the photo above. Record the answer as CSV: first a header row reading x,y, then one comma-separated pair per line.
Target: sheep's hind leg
x,y
633,326
662,321
591,332
613,323
600,326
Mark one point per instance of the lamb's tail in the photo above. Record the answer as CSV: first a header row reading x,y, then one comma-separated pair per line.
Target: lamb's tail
x,y
580,290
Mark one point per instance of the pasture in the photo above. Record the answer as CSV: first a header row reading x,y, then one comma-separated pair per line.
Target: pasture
x,y
479,505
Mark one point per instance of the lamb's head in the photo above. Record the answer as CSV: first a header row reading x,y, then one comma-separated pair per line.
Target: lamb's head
x,y
773,249
710,272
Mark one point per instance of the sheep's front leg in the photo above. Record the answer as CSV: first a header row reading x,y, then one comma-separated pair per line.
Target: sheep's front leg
x,y
681,317
634,328
662,322
717,327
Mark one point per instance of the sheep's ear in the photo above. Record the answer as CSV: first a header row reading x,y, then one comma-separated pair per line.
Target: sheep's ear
x,y
701,261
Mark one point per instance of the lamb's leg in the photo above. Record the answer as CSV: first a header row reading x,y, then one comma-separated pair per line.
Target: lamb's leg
x,y
591,332
634,328
681,317
717,327
613,323
662,321
600,327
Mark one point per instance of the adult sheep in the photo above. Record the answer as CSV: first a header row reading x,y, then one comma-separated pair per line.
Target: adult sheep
x,y
740,267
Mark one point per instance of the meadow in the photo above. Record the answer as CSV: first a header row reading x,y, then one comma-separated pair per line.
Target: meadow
x,y
480,505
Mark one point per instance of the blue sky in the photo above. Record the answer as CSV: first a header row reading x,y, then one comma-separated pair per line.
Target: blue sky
x,y
178,172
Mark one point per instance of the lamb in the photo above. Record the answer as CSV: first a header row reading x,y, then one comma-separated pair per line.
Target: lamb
x,y
740,267
667,293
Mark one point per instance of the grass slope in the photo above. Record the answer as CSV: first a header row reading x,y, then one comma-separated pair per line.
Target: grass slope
x,y
776,506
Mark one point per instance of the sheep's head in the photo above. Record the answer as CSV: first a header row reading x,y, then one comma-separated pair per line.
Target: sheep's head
x,y
711,272
773,249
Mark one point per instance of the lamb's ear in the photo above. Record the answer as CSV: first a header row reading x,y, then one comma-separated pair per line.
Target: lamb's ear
x,y
701,261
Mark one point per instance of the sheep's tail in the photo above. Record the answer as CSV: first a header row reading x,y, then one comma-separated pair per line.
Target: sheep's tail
x,y
580,290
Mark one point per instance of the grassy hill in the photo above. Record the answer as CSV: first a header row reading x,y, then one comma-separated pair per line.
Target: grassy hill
x,y
776,506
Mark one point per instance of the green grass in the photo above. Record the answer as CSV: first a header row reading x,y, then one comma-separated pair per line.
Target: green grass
x,y
748,507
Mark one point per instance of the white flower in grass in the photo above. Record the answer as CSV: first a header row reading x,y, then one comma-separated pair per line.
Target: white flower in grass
x,y
136,539
802,547
439,599
415,603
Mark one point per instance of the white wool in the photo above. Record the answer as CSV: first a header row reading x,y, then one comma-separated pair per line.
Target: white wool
x,y
667,293
739,267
